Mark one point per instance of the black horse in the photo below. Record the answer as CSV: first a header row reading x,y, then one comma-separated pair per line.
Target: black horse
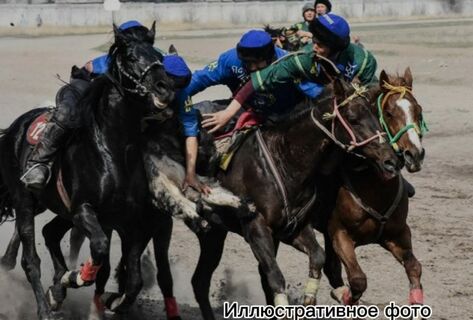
x,y
299,149
102,170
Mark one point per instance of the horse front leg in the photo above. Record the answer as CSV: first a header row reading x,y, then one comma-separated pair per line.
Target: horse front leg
x,y
307,243
401,248
161,242
53,232
268,293
259,236
8,261
344,246
75,241
30,260
134,243
85,218
211,249
333,265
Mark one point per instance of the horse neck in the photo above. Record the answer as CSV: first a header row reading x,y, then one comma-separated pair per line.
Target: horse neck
x,y
300,150
116,121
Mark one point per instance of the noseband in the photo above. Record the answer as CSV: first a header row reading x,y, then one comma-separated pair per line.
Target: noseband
x,y
420,128
354,143
140,88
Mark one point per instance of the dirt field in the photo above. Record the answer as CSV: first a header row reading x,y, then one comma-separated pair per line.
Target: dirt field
x,y
441,57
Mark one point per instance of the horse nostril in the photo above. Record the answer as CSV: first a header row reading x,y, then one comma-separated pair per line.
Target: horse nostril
x,y
408,155
422,154
390,165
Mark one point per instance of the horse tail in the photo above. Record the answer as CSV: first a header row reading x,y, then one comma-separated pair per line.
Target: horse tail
x,y
12,133
6,203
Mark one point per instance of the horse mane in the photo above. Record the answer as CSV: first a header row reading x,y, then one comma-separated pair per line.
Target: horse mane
x,y
273,32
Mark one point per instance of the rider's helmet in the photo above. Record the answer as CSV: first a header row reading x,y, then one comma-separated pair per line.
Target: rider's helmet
x,y
332,31
135,29
326,3
255,46
177,69
129,24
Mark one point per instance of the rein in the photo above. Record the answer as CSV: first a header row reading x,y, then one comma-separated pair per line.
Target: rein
x,y
421,128
354,143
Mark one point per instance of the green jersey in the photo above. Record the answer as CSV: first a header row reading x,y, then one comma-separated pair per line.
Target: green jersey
x,y
353,62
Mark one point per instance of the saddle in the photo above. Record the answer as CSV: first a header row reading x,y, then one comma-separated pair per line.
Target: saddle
x,y
229,142
36,128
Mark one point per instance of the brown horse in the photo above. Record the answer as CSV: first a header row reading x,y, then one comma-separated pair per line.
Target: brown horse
x,y
371,210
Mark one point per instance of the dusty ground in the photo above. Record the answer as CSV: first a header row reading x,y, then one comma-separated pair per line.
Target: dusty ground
x,y
441,57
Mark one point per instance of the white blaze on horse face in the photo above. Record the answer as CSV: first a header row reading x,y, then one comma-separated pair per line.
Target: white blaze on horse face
x,y
405,105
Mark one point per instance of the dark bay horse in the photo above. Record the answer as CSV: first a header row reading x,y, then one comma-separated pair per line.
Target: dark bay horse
x,y
301,147
371,210
101,170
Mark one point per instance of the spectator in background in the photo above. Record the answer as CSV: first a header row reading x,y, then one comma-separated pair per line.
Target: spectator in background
x,y
322,7
308,13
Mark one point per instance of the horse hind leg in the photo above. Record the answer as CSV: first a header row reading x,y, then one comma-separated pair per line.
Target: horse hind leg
x,y
53,232
30,260
8,261
307,243
401,249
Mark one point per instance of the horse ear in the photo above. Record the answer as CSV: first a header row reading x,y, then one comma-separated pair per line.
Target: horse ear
x,y
152,32
172,50
120,39
383,77
408,77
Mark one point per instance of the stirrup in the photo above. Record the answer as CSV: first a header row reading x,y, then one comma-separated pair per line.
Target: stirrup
x,y
23,177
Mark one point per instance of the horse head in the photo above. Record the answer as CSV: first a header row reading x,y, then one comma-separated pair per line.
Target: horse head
x,y
401,117
354,126
138,67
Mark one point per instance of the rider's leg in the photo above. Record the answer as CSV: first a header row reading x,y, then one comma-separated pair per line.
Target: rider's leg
x,y
65,116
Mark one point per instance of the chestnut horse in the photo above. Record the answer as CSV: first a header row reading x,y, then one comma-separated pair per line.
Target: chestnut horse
x,y
370,210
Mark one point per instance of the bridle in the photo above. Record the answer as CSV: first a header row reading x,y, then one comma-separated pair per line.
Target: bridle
x,y
421,128
336,115
139,88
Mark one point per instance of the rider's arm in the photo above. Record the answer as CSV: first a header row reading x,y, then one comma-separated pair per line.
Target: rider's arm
x,y
213,74
292,68
190,124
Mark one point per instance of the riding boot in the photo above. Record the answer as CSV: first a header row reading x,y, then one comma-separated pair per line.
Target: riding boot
x,y
38,166
411,191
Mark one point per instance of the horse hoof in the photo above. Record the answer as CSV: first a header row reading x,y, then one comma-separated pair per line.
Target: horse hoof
x,y
310,301
7,264
56,295
339,293
115,302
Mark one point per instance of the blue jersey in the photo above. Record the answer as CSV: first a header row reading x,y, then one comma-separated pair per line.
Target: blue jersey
x,y
228,70
187,114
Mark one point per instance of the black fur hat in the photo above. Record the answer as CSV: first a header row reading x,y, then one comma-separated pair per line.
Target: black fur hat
x,y
326,2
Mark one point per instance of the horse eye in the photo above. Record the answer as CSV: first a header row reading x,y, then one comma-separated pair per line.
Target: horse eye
x,y
388,114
